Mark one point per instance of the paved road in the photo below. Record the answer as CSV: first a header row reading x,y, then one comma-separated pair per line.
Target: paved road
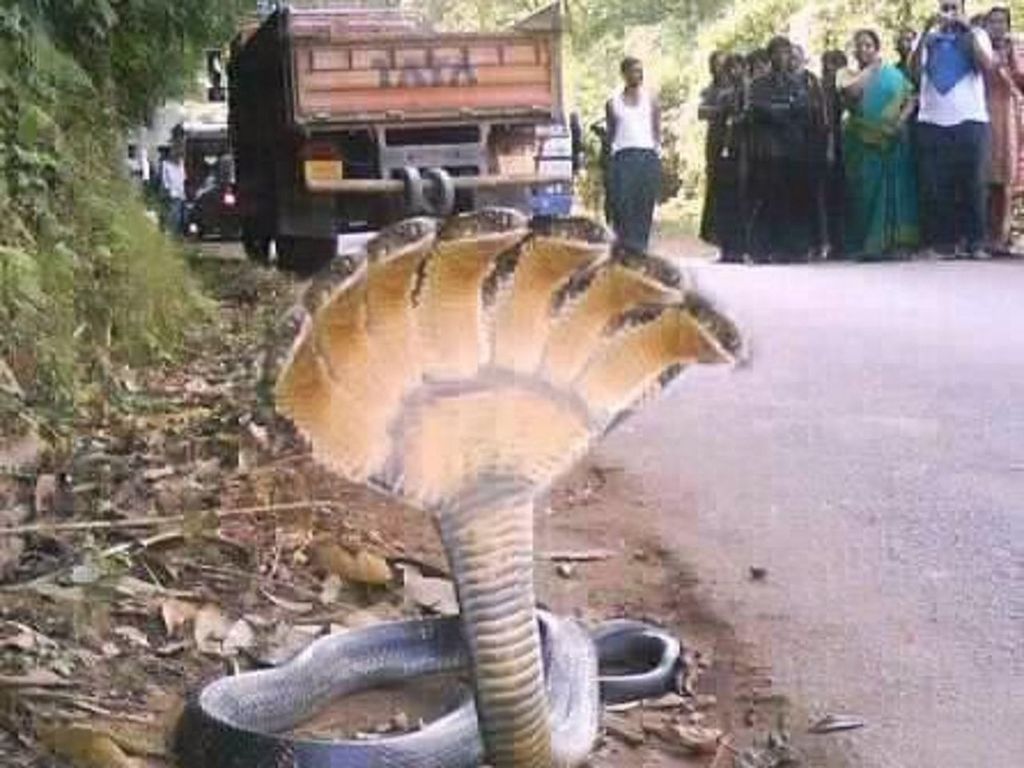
x,y
872,459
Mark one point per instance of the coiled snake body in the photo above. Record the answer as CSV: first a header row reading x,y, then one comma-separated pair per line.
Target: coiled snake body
x,y
464,366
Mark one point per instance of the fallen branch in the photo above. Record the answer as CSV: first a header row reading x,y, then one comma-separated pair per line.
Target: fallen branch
x,y
153,522
39,678
583,556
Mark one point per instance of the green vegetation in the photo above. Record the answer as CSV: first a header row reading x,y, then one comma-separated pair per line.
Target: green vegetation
x,y
87,282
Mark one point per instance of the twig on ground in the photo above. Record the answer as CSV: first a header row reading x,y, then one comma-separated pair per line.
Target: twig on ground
x,y
724,748
153,522
34,681
582,556
135,545
86,703
238,573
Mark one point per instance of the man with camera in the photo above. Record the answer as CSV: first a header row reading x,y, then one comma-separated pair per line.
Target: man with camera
x,y
953,132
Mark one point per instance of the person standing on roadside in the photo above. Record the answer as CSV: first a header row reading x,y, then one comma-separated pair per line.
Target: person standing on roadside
x,y
634,131
172,185
784,217
1003,89
905,43
951,58
711,111
881,198
832,63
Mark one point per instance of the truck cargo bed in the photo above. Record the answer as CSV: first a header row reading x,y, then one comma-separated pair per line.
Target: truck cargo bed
x,y
370,72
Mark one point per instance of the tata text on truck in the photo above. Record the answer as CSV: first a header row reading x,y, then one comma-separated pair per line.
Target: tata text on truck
x,y
345,120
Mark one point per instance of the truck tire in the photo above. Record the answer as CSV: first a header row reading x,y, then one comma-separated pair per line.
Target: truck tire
x,y
304,255
255,243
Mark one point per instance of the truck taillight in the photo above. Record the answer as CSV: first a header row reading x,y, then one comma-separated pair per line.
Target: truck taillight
x,y
322,163
321,150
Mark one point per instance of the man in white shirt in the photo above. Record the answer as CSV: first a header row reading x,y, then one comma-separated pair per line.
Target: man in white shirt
x,y
634,132
953,131
172,183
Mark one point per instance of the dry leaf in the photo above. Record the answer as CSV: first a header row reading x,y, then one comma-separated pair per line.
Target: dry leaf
x,y
149,739
294,606
45,493
362,567
287,642
330,590
11,547
696,738
437,595
211,626
157,473
176,614
132,635
833,723
24,638
84,747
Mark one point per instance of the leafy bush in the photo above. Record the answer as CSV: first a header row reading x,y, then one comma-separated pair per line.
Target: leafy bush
x,y
87,281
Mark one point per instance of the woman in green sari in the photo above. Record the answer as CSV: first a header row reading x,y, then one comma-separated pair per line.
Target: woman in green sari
x,y
881,188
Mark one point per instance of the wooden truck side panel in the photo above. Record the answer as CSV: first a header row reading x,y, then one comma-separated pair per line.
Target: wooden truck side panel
x,y
419,78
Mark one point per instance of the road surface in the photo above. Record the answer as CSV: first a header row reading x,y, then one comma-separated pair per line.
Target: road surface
x,y
872,460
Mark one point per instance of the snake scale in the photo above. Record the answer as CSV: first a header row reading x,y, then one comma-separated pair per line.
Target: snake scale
x,y
463,366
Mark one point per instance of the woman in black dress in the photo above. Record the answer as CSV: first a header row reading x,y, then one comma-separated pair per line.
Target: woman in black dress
x,y
783,146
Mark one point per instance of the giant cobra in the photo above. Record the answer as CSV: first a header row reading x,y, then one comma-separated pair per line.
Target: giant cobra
x,y
464,366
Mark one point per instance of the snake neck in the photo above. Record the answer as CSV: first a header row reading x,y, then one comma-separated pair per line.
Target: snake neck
x,y
490,548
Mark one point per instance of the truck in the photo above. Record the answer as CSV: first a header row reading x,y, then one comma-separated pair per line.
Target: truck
x,y
343,120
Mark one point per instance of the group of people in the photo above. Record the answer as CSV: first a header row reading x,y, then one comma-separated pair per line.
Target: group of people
x,y
162,179
872,159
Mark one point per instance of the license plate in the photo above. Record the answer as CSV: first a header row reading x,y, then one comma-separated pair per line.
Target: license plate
x,y
516,165
324,170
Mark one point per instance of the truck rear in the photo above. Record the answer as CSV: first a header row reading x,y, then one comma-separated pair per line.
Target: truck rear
x,y
343,121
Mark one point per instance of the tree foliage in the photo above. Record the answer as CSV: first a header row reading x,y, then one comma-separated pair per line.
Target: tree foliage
x,y
87,281
138,51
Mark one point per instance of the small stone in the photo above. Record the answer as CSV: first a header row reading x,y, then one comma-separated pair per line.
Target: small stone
x,y
85,573
239,638
758,573
565,570
624,730
400,722
697,739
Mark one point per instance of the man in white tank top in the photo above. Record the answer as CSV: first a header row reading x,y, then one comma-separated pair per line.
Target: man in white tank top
x,y
634,131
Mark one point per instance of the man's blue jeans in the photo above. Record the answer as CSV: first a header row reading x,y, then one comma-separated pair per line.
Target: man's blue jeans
x,y
174,221
953,166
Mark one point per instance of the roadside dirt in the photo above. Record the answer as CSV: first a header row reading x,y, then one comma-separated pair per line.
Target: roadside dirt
x,y
246,551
